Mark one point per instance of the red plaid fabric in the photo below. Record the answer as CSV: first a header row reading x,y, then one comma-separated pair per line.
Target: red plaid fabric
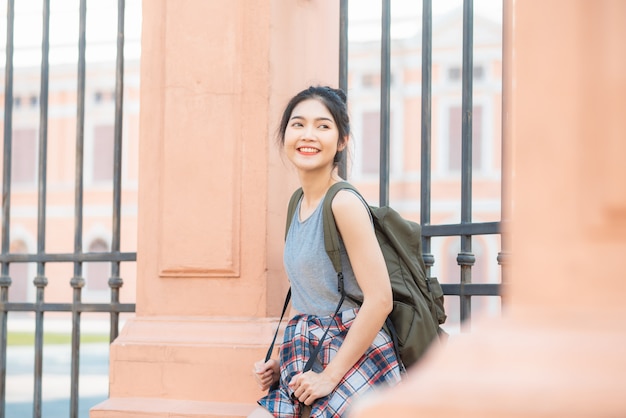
x,y
377,366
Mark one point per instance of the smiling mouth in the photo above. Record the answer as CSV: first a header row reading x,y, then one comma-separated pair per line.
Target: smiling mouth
x,y
308,150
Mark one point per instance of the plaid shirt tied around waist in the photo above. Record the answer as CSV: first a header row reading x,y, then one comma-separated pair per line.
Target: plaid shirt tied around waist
x,y
378,366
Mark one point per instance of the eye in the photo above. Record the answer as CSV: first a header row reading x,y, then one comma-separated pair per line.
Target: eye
x,y
296,124
324,126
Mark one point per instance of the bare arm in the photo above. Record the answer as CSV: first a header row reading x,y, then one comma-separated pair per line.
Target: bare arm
x,y
368,264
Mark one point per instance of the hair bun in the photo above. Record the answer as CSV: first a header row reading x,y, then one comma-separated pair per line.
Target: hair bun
x,y
341,94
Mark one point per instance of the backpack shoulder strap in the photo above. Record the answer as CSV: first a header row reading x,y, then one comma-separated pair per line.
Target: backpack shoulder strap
x,y
291,209
331,234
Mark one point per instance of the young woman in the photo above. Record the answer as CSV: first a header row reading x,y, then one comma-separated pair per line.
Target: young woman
x,y
357,354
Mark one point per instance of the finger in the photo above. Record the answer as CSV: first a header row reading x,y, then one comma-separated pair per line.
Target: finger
x,y
260,366
304,397
294,382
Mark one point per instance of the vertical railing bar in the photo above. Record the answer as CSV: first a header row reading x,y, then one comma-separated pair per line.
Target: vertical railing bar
x,y
40,279
425,179
5,280
343,70
115,282
505,199
466,258
385,71
77,282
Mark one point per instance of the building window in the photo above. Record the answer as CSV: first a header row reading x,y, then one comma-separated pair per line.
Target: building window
x,y
102,153
479,73
24,156
455,73
370,80
370,152
18,272
454,138
97,273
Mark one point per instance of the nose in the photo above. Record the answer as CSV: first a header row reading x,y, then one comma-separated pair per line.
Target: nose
x,y
308,133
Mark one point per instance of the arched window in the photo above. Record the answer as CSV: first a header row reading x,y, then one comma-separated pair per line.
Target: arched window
x,y
97,273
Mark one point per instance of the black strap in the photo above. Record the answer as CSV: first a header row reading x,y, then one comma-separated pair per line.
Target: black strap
x,y
394,337
268,356
315,352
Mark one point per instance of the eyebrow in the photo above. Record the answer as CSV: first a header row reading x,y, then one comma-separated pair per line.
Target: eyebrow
x,y
322,118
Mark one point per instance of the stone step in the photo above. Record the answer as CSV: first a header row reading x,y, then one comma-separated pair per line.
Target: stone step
x,y
167,408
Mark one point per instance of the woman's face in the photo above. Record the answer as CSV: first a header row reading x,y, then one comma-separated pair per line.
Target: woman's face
x,y
311,136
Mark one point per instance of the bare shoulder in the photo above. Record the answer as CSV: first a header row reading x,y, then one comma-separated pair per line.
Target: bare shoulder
x,y
347,204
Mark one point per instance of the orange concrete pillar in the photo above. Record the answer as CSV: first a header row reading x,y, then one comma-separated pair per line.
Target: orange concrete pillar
x,y
558,351
212,199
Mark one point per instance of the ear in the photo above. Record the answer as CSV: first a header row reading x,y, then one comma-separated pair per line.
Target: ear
x,y
342,144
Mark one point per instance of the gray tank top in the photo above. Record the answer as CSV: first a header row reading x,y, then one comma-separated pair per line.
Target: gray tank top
x,y
311,273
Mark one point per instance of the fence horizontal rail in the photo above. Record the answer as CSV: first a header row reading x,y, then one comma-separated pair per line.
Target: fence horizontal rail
x,y
66,307
67,257
471,289
484,228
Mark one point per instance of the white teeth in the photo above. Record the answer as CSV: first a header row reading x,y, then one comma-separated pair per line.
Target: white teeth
x,y
305,149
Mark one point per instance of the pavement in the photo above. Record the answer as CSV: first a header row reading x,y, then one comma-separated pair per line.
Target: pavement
x,y
93,380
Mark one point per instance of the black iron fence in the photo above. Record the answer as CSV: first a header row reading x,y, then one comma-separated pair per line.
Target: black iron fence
x,y
41,258
466,229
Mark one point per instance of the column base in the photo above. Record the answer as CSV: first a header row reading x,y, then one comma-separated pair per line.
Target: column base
x,y
167,408
185,367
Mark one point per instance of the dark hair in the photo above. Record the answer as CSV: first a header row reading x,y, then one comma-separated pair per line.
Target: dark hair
x,y
336,103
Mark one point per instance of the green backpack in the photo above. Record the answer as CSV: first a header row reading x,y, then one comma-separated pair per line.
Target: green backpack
x,y
417,300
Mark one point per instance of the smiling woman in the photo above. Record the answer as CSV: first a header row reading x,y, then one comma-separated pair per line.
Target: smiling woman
x,y
356,354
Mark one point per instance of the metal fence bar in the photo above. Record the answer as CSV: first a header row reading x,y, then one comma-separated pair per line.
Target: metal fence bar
x,y
77,282
40,279
425,179
115,282
507,57
465,257
343,70
5,279
385,87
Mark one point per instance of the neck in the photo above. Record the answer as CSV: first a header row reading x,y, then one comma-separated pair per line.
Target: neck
x,y
316,186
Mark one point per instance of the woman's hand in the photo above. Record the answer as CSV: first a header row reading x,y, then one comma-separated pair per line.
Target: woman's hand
x,y
309,386
266,373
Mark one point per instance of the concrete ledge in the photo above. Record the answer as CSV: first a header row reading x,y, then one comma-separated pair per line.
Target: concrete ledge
x,y
197,359
167,408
